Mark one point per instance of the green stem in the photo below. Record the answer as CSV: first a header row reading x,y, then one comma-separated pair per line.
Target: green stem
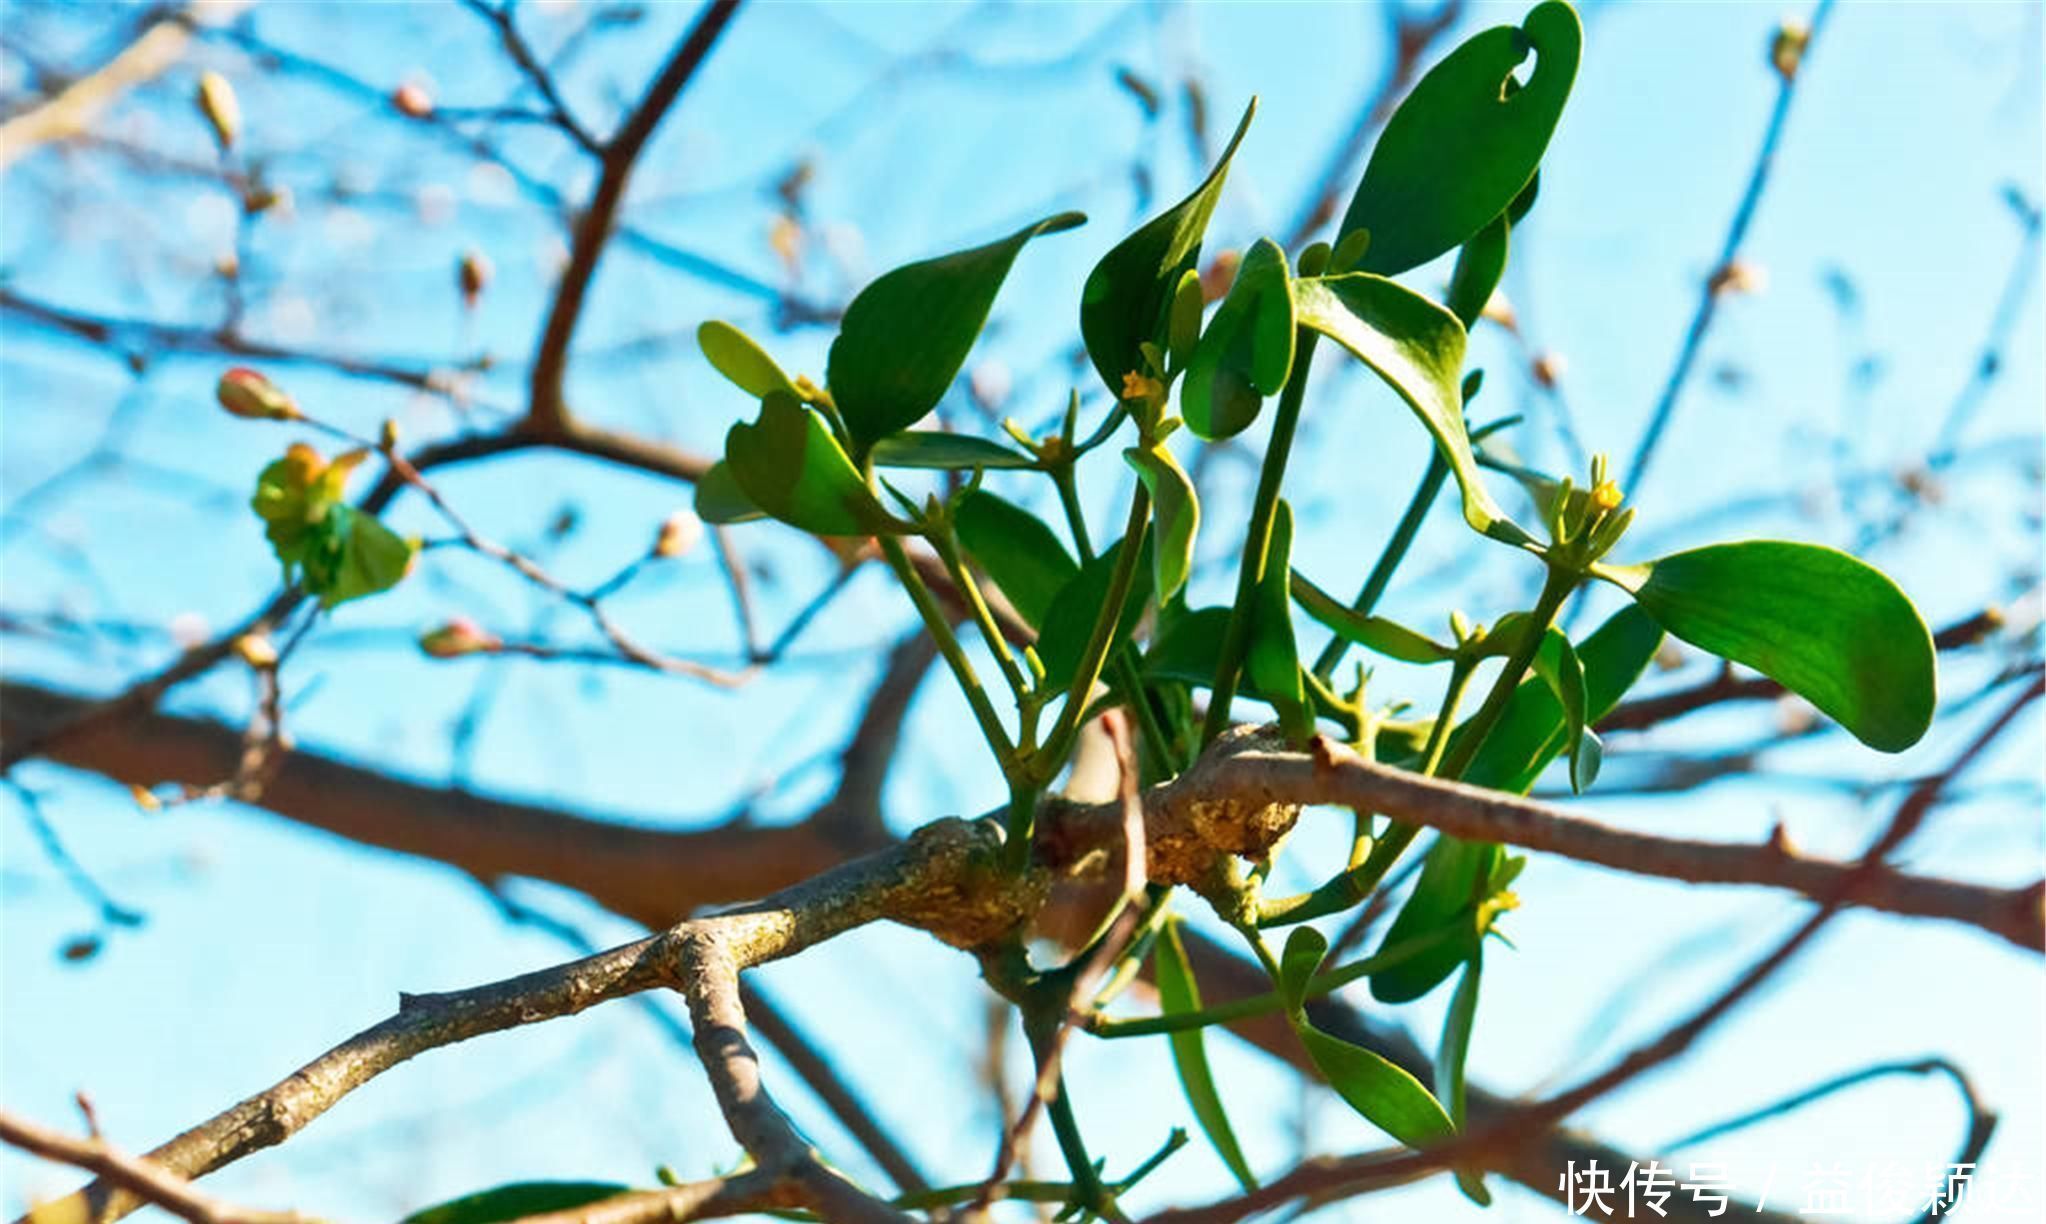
x,y
947,545
1236,641
1069,499
1432,480
948,647
1129,552
1555,589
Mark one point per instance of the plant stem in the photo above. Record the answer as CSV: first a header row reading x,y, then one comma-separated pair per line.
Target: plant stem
x,y
1555,589
1076,520
1236,641
1059,742
947,545
1432,480
948,647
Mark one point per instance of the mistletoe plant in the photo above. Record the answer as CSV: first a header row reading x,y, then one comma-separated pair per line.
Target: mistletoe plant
x,y
1107,624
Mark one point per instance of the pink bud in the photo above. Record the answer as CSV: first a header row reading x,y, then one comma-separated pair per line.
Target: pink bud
x,y
458,637
680,532
412,100
246,393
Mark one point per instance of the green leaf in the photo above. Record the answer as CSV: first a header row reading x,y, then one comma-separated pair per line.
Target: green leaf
x,y
1385,1095
1373,633
1556,662
1462,145
1828,627
1128,296
1175,515
373,558
1528,736
788,464
1189,301
719,499
1450,1060
929,448
515,1201
1178,994
734,354
1305,950
1273,661
1069,621
1478,268
1247,350
905,336
1416,347
1186,649
1018,552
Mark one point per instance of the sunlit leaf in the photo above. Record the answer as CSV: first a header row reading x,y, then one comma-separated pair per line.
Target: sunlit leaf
x,y
735,355
1175,515
1179,994
1373,633
1828,627
905,336
1386,1096
1128,296
1016,550
519,1199
1416,347
373,559
719,499
1069,621
1463,144
788,464
1452,1057
1247,350
927,448
1556,662
1273,662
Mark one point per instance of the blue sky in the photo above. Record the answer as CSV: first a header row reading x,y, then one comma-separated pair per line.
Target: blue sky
x,y
266,942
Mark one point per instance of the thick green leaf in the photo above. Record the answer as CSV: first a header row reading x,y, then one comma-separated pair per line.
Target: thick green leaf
x,y
1247,350
1450,1060
1828,627
1069,621
1183,330
1016,550
788,464
515,1201
1478,268
1529,735
1385,1095
1175,515
1273,662
1178,994
929,448
1463,145
719,499
373,559
1373,633
1556,662
734,354
1128,296
1305,950
905,336
1416,347
1186,649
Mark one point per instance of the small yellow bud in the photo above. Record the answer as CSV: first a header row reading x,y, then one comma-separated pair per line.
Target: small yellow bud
x,y
456,638
786,237
680,532
1739,276
1138,386
145,800
1786,50
472,274
412,101
256,650
811,392
1548,369
217,102
387,436
1607,496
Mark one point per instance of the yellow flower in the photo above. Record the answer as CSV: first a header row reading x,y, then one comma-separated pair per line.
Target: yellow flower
x,y
1136,386
1607,496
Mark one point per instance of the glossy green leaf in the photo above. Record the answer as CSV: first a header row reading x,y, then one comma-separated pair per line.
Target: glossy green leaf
x,y
1128,296
719,499
1462,146
1069,621
1529,735
1247,350
1016,550
1383,1094
1183,332
1306,948
517,1200
1185,650
734,354
788,464
1179,994
1479,265
1825,625
1273,661
905,336
1373,633
1416,347
1175,515
1452,1056
373,558
930,448
1556,662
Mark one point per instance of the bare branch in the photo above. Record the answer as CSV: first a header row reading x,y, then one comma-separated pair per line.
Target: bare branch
x,y
140,1178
